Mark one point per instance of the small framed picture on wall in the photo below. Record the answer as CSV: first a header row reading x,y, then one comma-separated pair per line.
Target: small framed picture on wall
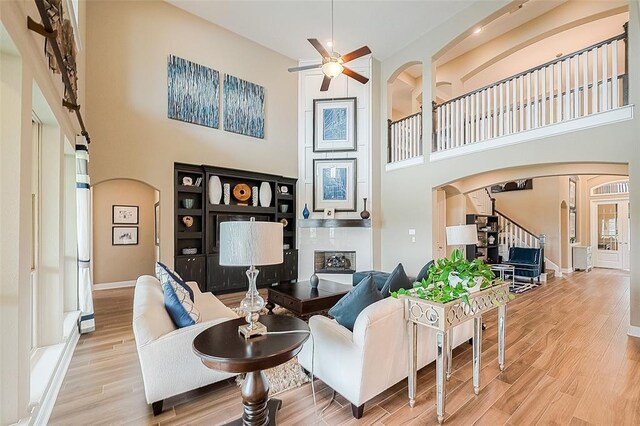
x,y
572,225
572,193
125,215
334,125
124,236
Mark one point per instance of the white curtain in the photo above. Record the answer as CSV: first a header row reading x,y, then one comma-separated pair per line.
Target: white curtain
x,y
83,200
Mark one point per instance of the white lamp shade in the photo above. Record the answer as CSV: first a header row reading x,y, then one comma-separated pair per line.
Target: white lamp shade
x,y
250,243
462,235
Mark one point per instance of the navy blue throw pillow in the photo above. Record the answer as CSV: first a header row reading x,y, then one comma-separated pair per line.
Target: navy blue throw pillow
x,y
179,315
424,272
166,274
397,280
348,308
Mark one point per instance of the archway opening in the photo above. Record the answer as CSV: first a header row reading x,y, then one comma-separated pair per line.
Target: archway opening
x,y
125,227
404,113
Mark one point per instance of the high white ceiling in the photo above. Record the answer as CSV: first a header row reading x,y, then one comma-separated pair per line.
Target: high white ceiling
x,y
385,26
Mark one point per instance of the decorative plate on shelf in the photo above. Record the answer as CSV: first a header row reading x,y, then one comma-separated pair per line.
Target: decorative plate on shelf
x,y
242,192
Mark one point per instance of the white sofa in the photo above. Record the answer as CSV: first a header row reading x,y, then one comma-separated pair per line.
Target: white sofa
x,y
361,364
169,365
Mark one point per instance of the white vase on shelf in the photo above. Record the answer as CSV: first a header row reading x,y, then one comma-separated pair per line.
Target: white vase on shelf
x,y
255,193
265,194
215,190
227,193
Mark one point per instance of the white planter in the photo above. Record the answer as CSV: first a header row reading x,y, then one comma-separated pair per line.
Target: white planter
x,y
215,190
265,194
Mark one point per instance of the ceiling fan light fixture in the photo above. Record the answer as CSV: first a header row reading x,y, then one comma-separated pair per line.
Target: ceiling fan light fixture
x,y
332,69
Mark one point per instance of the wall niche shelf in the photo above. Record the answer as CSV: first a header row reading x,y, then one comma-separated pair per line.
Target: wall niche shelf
x,y
334,223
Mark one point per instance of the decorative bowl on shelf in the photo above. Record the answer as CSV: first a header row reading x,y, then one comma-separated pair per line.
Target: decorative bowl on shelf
x,y
189,250
242,192
284,208
188,203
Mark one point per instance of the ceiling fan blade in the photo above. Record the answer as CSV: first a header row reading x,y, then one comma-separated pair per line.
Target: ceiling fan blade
x,y
325,84
364,50
305,67
319,47
351,73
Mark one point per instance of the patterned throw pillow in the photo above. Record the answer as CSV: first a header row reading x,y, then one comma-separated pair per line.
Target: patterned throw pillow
x,y
182,311
168,275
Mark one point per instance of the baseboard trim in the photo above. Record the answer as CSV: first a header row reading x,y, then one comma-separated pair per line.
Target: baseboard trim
x,y
634,331
117,284
567,270
42,413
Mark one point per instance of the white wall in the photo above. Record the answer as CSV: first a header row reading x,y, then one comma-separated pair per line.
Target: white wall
x,y
358,239
126,108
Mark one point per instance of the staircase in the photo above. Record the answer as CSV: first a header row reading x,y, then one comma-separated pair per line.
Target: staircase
x,y
511,233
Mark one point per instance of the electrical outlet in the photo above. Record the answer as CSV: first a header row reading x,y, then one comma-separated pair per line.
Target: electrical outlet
x,y
412,232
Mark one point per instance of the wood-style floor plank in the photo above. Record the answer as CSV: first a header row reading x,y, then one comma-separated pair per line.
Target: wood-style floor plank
x,y
569,362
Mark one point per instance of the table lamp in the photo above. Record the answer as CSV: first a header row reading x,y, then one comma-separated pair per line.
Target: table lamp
x,y
251,243
461,235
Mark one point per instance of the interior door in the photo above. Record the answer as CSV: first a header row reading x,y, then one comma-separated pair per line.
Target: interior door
x,y
610,233
626,234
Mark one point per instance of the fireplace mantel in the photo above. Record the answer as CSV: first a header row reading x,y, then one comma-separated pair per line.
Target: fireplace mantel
x,y
334,223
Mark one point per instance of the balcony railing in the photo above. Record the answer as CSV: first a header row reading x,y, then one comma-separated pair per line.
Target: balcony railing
x,y
580,84
405,138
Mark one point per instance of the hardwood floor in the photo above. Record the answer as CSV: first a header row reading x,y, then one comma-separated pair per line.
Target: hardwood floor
x,y
569,361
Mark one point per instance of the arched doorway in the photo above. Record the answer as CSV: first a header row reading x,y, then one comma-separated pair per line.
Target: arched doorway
x,y
404,113
125,238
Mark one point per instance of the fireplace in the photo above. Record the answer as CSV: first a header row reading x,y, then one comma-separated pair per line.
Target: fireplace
x,y
334,262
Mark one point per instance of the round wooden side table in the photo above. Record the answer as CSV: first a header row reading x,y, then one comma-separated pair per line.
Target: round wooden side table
x,y
222,347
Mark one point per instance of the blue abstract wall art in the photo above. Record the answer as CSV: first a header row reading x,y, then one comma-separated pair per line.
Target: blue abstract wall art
x,y
334,124
243,107
334,184
193,92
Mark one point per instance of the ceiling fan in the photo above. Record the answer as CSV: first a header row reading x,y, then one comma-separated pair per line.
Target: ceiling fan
x,y
333,63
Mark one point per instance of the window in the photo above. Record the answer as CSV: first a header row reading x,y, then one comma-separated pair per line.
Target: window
x,y
36,138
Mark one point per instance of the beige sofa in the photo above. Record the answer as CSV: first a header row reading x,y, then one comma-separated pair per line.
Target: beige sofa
x,y
169,365
361,364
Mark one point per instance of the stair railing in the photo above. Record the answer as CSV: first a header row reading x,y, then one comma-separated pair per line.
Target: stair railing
x,y
404,138
586,82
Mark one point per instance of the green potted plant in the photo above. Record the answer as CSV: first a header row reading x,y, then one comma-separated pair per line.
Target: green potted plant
x,y
452,278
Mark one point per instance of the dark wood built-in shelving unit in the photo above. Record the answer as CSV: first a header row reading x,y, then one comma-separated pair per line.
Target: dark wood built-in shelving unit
x,y
487,226
204,267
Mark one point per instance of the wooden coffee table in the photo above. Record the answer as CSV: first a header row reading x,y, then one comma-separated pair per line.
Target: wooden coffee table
x,y
303,300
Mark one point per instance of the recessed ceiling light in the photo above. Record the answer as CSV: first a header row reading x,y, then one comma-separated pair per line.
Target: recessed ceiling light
x,y
477,30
